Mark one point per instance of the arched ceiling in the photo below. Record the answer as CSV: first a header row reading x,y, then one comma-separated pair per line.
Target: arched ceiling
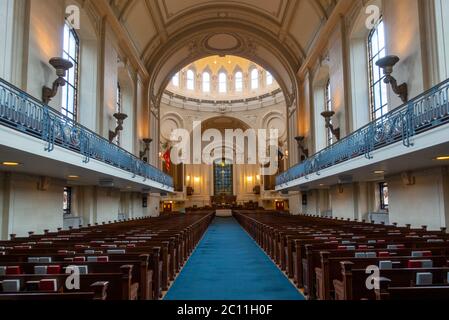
x,y
170,34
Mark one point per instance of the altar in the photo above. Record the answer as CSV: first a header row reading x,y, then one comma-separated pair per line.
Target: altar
x,y
223,213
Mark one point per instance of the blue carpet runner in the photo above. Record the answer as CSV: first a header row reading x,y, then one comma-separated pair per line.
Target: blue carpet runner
x,y
229,265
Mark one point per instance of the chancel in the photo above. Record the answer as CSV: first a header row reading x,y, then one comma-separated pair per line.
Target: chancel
x,y
224,150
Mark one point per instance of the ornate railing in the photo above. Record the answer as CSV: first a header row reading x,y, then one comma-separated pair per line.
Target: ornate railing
x,y
425,112
20,111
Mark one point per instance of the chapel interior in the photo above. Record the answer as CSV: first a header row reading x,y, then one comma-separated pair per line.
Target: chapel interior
x,y
115,162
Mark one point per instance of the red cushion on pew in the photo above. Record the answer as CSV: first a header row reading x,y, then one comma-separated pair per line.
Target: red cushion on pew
x,y
383,254
363,247
48,285
427,254
103,259
13,270
54,270
414,264
79,259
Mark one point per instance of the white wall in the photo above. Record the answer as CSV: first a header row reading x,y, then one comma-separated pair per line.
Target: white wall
x,y
404,42
108,204
13,27
442,32
32,209
295,203
337,54
2,207
425,203
88,93
153,209
343,203
45,42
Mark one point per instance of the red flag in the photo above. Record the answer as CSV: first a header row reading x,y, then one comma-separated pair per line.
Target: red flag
x,y
167,159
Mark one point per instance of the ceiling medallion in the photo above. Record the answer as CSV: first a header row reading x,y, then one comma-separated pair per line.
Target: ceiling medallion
x,y
222,42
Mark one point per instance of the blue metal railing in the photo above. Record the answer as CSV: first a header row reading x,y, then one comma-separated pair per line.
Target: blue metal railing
x,y
425,112
20,111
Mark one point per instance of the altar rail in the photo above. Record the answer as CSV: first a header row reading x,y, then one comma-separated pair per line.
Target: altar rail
x,y
425,112
22,112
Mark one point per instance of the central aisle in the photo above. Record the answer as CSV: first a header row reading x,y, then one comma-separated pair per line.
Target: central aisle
x,y
229,265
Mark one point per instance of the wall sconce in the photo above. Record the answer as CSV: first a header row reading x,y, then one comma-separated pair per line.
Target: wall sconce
x,y
62,66
387,64
249,179
301,148
327,115
341,189
197,179
147,142
121,117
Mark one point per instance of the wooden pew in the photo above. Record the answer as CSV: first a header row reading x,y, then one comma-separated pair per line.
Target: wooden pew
x,y
429,293
98,291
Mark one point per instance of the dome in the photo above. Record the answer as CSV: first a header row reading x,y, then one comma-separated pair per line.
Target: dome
x,y
222,83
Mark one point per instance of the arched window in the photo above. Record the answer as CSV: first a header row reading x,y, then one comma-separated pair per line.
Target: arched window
x,y
269,79
255,79
328,107
206,82
238,81
378,89
190,80
175,80
70,90
222,83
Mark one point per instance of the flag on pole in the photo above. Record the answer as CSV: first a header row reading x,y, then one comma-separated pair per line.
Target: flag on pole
x,y
167,159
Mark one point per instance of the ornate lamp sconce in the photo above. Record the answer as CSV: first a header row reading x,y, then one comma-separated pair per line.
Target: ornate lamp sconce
x,y
327,115
147,142
301,148
387,64
62,66
121,117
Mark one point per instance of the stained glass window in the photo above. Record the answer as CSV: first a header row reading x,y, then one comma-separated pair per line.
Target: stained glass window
x,y
223,178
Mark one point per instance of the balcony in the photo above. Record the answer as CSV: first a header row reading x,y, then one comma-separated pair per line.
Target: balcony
x,y
394,135
56,132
